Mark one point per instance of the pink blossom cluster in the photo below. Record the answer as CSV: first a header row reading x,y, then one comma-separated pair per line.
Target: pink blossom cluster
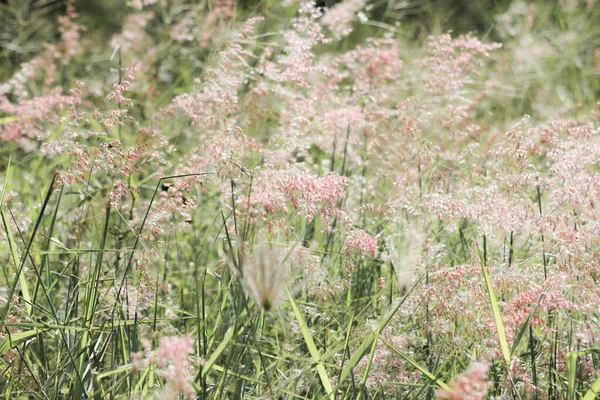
x,y
453,61
172,357
139,4
70,33
339,18
310,195
472,385
360,241
117,117
32,115
215,99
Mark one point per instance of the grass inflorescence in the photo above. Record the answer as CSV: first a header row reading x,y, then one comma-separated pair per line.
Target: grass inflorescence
x,y
263,199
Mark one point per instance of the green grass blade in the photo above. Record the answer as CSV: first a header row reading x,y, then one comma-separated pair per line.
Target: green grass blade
x,y
15,257
497,317
123,368
312,348
594,390
27,250
9,119
366,344
219,350
359,354
91,296
13,248
572,372
524,327
16,339
418,366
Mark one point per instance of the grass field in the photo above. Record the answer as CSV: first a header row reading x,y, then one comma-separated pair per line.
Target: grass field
x,y
277,199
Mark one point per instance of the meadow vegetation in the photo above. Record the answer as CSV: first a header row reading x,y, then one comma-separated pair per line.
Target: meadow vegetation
x,y
279,199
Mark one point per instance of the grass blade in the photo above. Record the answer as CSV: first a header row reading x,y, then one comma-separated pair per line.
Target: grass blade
x,y
572,372
13,249
506,353
16,339
418,366
312,348
366,344
524,327
27,251
15,257
594,391
219,350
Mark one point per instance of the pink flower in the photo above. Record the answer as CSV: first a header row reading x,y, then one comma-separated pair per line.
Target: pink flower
x,y
172,358
472,385
360,241
340,17
139,4
310,195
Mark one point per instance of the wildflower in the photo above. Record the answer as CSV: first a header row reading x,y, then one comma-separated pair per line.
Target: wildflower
x,y
139,4
308,194
472,385
339,18
171,357
361,242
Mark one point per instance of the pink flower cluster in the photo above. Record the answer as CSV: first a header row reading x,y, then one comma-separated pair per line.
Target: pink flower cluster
x,y
308,194
359,241
139,4
172,359
117,117
472,385
339,18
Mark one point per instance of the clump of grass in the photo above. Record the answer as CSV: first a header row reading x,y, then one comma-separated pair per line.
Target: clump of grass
x,y
290,201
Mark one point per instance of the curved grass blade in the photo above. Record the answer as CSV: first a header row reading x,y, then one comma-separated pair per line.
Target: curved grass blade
x,y
418,366
524,327
368,342
219,350
13,249
495,309
572,372
15,257
27,251
594,391
16,339
312,348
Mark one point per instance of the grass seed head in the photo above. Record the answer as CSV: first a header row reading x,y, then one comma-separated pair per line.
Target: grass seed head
x,y
266,273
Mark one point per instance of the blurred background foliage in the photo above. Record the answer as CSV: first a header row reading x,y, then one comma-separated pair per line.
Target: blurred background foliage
x,y
551,48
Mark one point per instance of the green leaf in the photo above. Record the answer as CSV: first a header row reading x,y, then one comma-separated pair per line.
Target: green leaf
x,y
524,327
16,339
594,390
572,371
9,119
497,317
215,355
418,366
312,348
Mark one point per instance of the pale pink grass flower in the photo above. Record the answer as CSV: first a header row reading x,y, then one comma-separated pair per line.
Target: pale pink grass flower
x,y
340,17
140,4
172,357
267,273
359,241
276,190
472,385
